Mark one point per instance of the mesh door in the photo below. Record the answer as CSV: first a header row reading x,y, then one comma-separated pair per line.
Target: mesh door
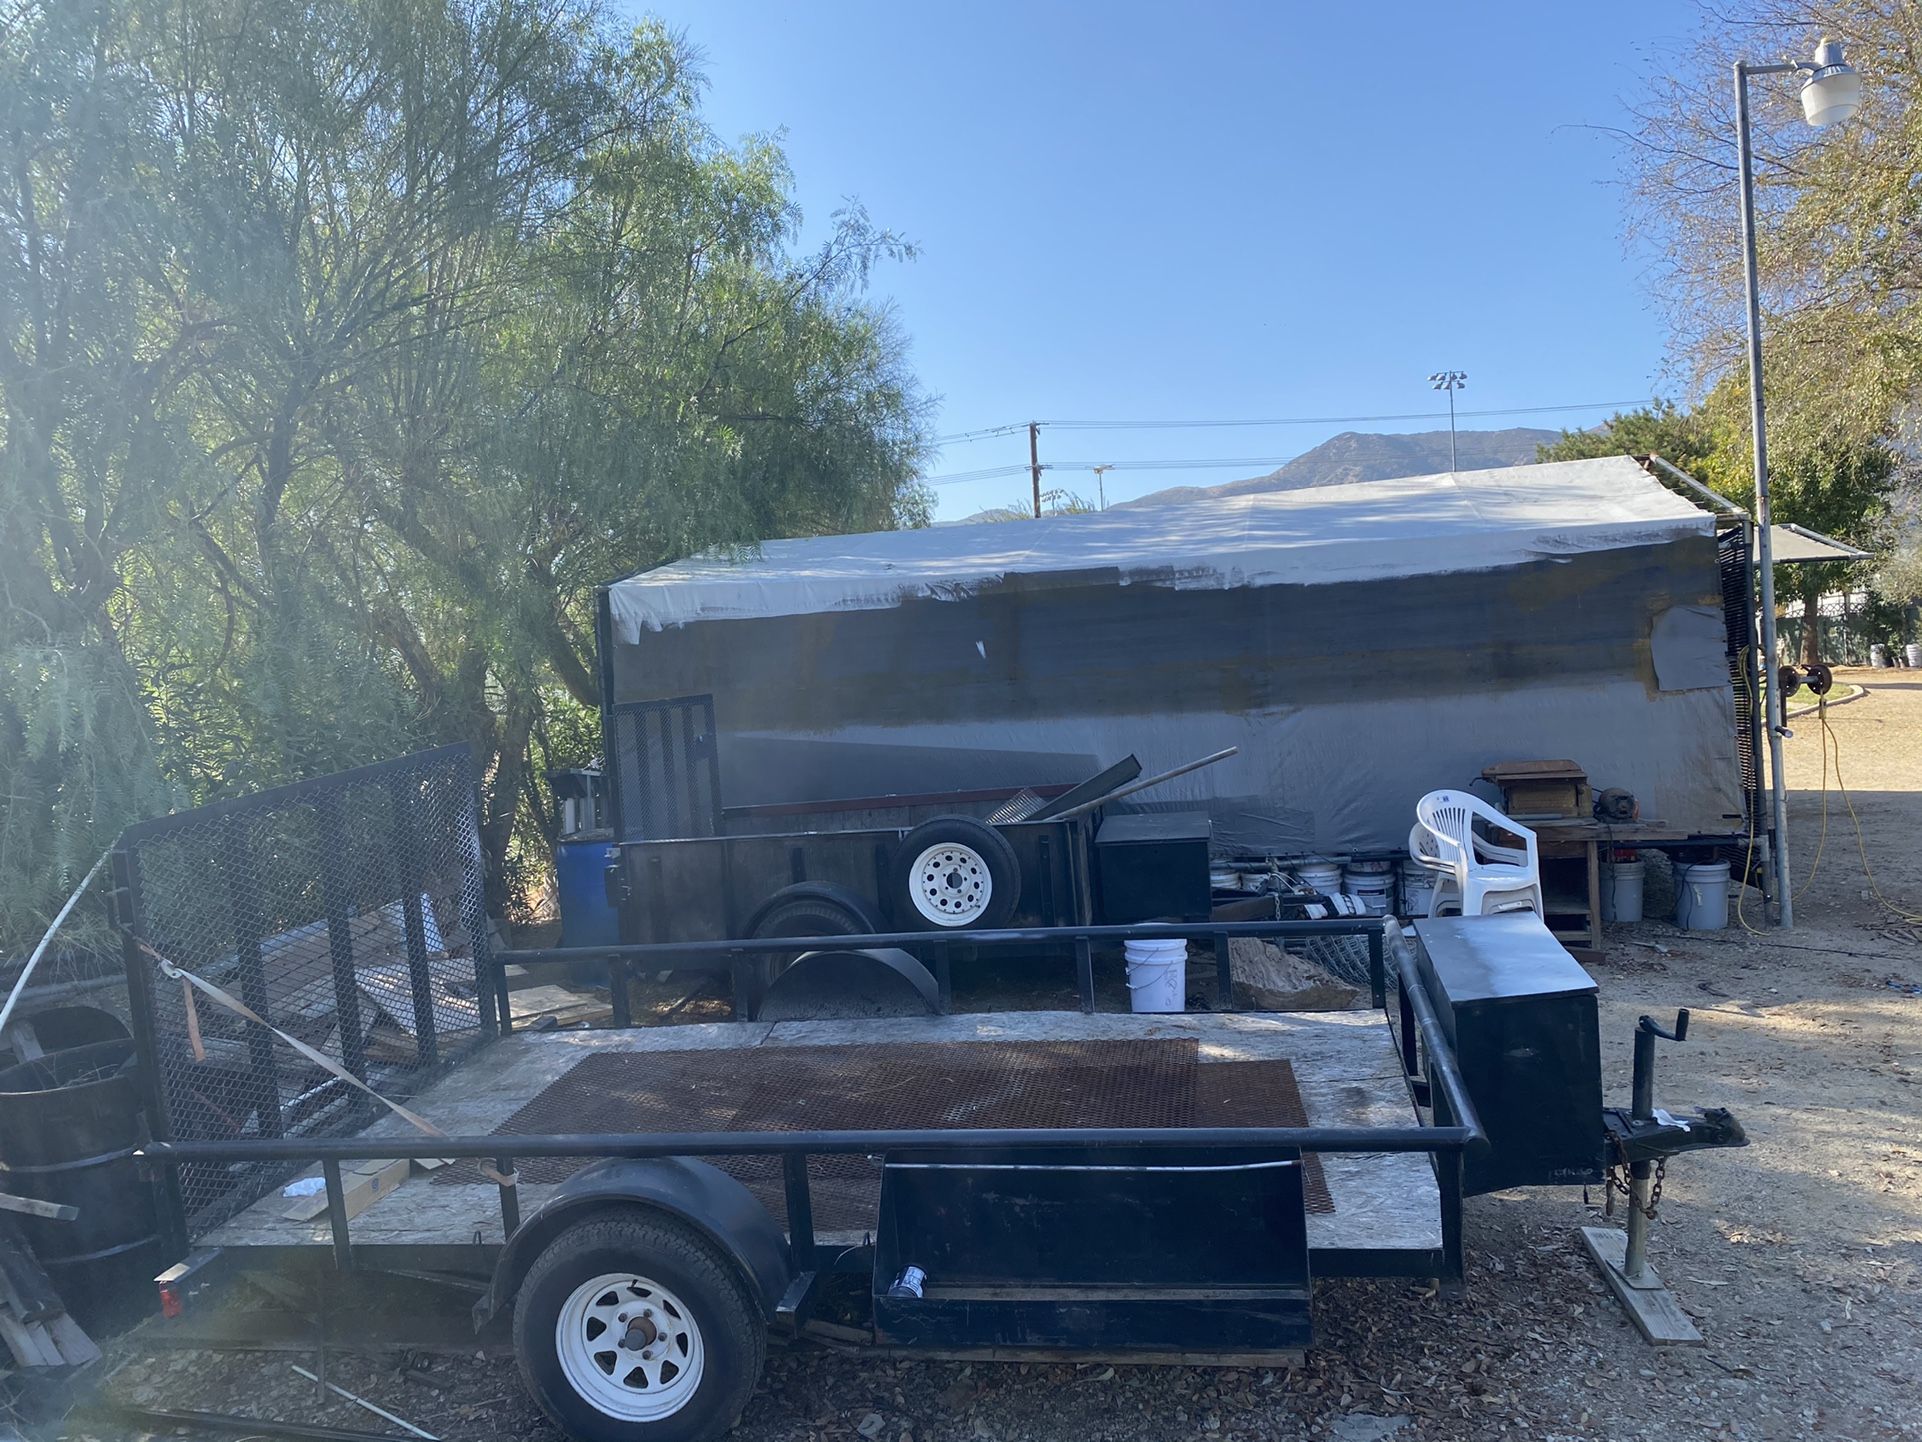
x,y
666,781
346,911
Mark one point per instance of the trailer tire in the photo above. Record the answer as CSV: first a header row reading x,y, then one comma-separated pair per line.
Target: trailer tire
x,y
815,908
953,873
686,1360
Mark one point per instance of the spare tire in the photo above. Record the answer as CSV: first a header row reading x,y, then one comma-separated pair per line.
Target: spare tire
x,y
953,873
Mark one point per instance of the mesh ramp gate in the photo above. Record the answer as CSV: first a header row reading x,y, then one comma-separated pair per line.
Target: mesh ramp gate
x,y
349,912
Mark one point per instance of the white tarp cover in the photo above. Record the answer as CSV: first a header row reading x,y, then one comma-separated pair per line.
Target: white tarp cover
x,y
1370,530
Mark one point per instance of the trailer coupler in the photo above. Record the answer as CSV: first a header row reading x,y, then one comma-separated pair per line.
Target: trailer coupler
x,y
1629,1139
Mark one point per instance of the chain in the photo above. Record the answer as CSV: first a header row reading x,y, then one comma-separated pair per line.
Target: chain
x,y
1616,1180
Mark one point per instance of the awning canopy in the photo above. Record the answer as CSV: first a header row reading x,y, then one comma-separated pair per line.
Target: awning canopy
x,y
1796,544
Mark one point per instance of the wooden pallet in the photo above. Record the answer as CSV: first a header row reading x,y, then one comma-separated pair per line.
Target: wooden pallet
x,y
33,1321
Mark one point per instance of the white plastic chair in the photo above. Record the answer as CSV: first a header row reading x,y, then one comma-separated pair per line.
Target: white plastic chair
x,y
1477,876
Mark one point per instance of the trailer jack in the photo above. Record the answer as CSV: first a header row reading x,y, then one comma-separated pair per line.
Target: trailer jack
x,y
1639,1142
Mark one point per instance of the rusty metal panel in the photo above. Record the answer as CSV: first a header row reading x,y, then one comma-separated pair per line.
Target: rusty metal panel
x,y
1045,1084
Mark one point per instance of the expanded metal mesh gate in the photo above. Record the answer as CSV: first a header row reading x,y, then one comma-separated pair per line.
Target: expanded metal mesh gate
x,y
346,911
1738,621
665,769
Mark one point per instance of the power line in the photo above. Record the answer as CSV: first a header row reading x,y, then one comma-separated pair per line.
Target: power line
x,y
1134,425
986,473
984,434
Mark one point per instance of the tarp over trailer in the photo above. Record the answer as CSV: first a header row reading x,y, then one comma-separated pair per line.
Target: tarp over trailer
x,y
1361,644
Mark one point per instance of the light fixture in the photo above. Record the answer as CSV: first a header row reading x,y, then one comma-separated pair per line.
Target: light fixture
x,y
1833,91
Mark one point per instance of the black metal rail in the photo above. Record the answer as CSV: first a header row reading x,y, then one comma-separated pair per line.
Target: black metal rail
x,y
729,958
1456,1128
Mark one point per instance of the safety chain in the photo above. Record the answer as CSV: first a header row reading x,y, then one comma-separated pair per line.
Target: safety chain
x,y
1616,1180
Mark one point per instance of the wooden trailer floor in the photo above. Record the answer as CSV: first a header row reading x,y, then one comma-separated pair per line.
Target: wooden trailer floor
x,y
1344,1063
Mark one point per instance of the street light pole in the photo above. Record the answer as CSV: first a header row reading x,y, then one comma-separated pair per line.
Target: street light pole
x,y
1450,381
1831,93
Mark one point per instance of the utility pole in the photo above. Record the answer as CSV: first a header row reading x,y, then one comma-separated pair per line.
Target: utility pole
x,y
1101,489
1034,463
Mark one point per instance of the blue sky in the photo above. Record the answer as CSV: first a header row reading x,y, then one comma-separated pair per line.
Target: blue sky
x,y
1217,211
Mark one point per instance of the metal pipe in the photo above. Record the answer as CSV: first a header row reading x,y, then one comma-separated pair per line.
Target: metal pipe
x,y
1143,784
652,954
831,1143
1714,498
166,1419
1764,545
1442,1067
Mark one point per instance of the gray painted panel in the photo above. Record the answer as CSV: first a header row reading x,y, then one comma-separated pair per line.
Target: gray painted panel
x,y
1349,700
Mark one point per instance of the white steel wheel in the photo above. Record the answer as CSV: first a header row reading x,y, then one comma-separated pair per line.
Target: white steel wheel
x,y
950,884
629,1347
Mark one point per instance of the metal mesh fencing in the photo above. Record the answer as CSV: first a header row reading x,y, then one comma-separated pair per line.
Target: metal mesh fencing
x,y
348,912
664,767
1738,622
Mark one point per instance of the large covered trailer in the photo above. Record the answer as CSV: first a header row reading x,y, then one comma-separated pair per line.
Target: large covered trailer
x,y
1360,645
313,983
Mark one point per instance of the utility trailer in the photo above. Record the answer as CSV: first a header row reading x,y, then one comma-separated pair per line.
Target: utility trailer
x,y
647,1201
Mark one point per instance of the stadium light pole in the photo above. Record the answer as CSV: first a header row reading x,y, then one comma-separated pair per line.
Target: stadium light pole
x,y
1450,381
1831,94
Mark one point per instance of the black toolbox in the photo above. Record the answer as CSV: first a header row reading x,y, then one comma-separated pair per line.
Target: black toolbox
x,y
1521,1015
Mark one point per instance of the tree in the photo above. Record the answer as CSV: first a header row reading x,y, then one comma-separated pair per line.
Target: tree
x,y
345,347
1684,438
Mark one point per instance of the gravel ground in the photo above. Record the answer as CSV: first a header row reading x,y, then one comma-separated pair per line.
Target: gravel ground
x,y
1798,1256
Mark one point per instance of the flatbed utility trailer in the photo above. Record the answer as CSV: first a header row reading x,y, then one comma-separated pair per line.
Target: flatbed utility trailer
x,y
647,1201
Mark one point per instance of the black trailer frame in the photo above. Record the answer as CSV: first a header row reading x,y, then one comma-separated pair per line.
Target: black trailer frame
x,y
1430,1071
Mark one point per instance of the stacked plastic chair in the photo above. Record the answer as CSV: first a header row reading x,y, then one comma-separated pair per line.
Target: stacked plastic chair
x,y
1474,875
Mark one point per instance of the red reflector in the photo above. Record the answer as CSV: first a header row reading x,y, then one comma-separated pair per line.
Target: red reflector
x,y
171,1304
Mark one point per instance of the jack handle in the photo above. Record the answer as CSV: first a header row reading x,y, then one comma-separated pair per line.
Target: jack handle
x,y
1655,1028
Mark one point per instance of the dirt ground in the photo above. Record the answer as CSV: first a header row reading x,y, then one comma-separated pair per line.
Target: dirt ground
x,y
1800,1257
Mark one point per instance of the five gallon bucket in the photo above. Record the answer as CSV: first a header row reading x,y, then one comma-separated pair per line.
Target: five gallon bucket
x,y
1417,888
1322,876
1701,896
1622,890
1912,653
1158,974
1372,883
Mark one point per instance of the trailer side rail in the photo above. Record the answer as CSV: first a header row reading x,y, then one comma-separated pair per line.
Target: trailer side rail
x,y
1429,1067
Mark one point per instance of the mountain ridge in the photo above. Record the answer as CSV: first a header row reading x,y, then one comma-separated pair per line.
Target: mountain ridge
x,y
1356,456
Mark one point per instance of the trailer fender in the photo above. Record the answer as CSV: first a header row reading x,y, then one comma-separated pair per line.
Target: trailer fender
x,y
701,1195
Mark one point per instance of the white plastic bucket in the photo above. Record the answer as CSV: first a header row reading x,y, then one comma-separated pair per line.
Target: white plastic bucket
x,y
1417,888
1701,896
1373,889
1322,876
1912,653
1157,974
1622,890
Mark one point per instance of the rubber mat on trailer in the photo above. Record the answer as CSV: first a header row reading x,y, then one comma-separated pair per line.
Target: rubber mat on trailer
x,y
899,1086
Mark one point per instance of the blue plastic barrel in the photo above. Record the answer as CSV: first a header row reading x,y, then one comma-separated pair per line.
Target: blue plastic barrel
x,y
580,864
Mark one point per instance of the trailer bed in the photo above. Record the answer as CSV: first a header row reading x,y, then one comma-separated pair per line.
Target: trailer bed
x,y
1380,1212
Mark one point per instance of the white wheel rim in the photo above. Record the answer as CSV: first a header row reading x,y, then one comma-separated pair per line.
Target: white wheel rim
x,y
950,885
629,1347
